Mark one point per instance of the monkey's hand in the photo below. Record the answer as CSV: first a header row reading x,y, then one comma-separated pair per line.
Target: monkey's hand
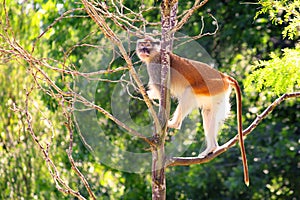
x,y
152,94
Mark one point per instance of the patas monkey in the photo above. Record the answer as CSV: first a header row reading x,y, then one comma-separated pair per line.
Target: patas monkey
x,y
195,85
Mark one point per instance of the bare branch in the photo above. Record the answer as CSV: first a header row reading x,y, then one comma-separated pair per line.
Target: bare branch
x,y
183,161
186,16
201,34
53,23
268,110
111,117
168,21
35,63
61,185
69,152
99,19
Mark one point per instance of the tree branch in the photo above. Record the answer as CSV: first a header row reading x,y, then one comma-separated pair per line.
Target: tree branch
x,y
109,33
184,161
70,150
111,117
36,63
60,184
168,21
187,15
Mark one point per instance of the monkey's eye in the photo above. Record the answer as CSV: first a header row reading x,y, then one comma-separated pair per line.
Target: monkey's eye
x,y
148,45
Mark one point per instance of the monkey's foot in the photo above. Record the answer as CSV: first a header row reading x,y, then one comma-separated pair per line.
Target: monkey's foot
x,y
174,124
208,151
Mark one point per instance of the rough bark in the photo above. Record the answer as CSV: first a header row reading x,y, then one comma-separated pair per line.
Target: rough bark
x,y
168,19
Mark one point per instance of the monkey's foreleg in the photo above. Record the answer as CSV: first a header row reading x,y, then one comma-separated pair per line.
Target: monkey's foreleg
x,y
186,103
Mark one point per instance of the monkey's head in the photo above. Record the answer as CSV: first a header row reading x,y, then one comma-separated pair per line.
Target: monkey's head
x,y
147,48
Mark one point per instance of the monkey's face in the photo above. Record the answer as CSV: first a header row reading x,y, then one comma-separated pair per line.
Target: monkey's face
x,y
146,48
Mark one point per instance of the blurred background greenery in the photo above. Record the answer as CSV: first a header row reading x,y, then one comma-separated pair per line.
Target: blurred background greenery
x,y
248,33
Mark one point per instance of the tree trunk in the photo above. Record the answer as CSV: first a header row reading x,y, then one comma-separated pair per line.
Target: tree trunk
x,y
168,19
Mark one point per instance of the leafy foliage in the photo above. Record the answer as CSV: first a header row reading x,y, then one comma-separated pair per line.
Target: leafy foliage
x,y
279,75
283,12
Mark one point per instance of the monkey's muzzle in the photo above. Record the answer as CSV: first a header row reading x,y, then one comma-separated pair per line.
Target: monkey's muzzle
x,y
143,53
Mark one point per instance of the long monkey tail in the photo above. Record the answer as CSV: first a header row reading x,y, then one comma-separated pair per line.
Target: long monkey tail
x,y
237,88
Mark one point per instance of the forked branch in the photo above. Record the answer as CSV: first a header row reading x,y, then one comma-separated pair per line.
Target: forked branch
x,y
92,10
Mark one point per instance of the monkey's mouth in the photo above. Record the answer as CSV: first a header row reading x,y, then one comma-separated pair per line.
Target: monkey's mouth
x,y
144,53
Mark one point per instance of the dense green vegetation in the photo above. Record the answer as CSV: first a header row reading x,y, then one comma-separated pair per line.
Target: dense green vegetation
x,y
257,43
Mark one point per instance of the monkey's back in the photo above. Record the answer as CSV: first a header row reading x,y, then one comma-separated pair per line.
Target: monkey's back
x,y
204,80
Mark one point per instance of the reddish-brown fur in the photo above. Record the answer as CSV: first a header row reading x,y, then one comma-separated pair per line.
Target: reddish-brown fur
x,y
195,84
201,77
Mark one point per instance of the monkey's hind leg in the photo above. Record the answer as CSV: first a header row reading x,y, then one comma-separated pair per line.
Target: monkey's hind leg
x,y
186,103
213,118
210,130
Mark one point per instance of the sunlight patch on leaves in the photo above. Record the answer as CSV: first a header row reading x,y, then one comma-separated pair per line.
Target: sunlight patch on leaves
x,y
283,12
280,74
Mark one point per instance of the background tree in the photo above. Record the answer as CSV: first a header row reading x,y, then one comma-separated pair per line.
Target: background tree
x,y
42,49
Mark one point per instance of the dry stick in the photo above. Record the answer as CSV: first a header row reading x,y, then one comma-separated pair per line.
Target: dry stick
x,y
198,4
78,44
21,52
51,166
90,9
69,152
84,74
201,34
124,22
48,143
68,189
184,161
8,27
34,62
111,117
53,23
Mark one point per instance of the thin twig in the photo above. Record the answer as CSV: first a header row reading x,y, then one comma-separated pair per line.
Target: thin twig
x,y
52,24
71,159
111,117
110,34
187,15
201,34
61,185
